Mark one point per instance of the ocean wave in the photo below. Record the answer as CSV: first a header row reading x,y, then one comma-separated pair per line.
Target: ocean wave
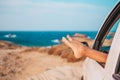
x,y
48,46
89,37
56,41
10,36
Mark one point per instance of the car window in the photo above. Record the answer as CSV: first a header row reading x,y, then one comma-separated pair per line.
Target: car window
x,y
109,37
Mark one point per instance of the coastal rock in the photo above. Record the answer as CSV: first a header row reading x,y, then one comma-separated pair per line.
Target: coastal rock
x,y
80,35
8,45
84,39
108,42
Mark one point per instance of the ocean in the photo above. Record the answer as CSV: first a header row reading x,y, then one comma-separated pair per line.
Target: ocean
x,y
40,38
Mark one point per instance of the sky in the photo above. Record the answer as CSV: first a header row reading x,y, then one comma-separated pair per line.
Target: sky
x,y
54,15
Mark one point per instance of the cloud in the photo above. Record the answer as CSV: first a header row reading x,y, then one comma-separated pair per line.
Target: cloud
x,y
43,3
44,7
11,2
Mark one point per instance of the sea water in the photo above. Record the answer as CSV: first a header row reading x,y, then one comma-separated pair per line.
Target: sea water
x,y
40,38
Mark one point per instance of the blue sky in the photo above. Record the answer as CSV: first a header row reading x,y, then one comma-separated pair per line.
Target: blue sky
x,y
53,15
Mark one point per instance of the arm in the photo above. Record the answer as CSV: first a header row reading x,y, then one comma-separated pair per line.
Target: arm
x,y
96,55
81,50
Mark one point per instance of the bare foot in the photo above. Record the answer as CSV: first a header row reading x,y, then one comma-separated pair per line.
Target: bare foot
x,y
78,48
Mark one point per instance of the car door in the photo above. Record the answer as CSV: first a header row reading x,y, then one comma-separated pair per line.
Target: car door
x,y
113,57
93,70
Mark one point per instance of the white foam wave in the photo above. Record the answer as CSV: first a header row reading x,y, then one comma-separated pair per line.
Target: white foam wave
x,y
89,37
48,46
10,36
56,41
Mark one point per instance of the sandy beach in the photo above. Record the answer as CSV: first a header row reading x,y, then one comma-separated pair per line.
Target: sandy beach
x,y
23,63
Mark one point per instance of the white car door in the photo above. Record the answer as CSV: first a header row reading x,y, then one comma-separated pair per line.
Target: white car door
x,y
108,41
92,70
113,56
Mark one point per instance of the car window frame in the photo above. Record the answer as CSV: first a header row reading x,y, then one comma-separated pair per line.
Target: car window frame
x,y
106,27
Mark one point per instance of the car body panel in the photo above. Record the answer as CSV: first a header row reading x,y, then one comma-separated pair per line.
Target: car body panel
x,y
92,70
113,56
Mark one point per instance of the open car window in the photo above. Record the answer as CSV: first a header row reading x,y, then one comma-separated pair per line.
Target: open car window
x,y
109,38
